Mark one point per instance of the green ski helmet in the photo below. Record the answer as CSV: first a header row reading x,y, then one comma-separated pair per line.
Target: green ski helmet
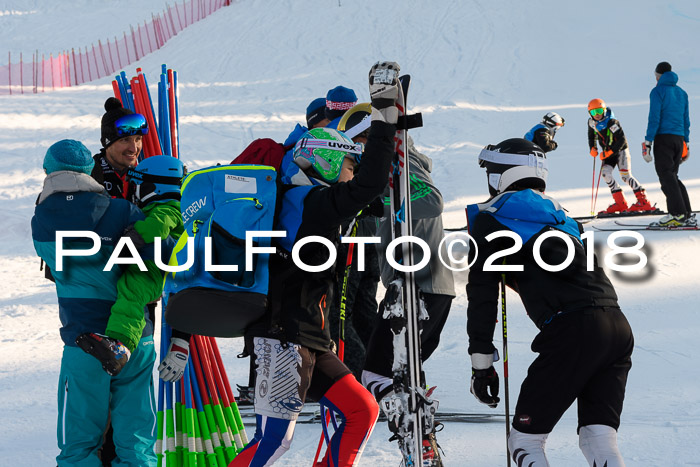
x,y
323,150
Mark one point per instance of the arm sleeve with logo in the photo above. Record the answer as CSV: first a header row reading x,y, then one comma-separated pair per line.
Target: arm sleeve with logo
x,y
161,219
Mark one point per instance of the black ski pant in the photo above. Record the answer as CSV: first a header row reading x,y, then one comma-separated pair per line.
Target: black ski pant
x,y
667,159
380,352
584,356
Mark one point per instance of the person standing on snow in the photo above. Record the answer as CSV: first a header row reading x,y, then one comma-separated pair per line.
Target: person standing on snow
x,y
543,133
604,130
585,342
87,396
668,129
291,343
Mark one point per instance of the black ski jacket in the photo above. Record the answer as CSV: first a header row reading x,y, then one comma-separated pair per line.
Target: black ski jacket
x,y
610,137
300,301
544,294
114,182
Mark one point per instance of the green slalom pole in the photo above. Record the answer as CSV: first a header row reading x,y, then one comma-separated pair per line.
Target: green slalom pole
x,y
190,447
234,405
170,453
207,406
179,445
202,426
225,402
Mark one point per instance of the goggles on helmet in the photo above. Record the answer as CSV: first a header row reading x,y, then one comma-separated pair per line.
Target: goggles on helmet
x,y
356,149
132,124
598,111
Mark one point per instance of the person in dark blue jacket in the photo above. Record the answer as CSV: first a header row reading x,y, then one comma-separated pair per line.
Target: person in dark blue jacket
x,y
585,343
72,200
669,130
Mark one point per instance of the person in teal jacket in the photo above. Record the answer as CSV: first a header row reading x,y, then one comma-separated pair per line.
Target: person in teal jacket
x,y
668,129
87,395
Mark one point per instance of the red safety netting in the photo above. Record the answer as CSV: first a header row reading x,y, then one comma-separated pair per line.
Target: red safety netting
x,y
40,73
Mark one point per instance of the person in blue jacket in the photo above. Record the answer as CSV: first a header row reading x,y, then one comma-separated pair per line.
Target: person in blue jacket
x,y
87,396
669,130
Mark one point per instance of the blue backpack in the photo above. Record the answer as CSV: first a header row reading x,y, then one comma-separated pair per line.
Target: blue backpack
x,y
219,204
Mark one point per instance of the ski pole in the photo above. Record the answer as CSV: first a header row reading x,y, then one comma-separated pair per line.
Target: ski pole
x,y
593,185
596,187
504,325
227,385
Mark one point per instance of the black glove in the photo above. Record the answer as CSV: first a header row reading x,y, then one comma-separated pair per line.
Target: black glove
x,y
485,386
135,237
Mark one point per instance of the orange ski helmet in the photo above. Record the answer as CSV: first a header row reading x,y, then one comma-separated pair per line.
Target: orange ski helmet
x,y
596,104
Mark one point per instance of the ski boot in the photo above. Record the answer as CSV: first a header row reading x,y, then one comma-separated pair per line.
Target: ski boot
x,y
642,204
669,220
431,448
110,352
246,395
619,206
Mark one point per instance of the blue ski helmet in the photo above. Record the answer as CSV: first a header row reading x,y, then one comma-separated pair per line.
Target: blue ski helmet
x,y
323,151
156,178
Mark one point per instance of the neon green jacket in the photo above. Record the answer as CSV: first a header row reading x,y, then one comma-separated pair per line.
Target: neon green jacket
x,y
135,289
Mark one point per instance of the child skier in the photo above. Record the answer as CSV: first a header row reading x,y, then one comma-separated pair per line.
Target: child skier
x,y
543,133
291,342
154,186
605,130
585,343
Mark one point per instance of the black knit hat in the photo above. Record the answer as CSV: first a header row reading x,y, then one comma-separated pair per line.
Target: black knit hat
x,y
114,112
662,68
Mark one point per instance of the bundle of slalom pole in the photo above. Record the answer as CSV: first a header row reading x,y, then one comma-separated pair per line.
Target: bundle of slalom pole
x,y
163,130
202,424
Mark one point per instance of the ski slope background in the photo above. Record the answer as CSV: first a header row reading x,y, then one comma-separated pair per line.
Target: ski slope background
x,y
482,72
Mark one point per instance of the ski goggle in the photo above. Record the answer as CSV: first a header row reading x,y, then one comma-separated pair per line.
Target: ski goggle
x,y
598,111
132,124
355,149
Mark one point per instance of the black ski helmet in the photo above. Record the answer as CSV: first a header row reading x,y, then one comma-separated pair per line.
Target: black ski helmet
x,y
514,164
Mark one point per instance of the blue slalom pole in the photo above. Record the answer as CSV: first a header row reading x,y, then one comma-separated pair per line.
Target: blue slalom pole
x,y
129,101
165,114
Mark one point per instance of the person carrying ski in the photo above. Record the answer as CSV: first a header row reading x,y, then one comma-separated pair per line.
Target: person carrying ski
x,y
604,130
543,133
585,343
88,396
291,342
668,129
434,281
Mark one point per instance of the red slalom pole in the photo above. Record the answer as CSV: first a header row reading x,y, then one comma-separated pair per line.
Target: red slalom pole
x,y
173,121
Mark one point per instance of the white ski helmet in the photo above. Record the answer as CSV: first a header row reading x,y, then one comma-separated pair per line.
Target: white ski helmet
x,y
553,120
514,164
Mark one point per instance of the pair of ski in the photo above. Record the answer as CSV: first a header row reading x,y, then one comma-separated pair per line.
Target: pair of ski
x,y
409,410
631,226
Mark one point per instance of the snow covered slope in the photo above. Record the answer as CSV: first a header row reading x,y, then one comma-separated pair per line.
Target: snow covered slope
x,y
482,72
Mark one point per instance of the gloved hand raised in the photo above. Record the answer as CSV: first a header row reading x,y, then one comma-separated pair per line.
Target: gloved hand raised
x,y
594,152
384,91
646,151
172,367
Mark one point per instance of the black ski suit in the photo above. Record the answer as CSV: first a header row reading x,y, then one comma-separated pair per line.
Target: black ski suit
x,y
585,342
